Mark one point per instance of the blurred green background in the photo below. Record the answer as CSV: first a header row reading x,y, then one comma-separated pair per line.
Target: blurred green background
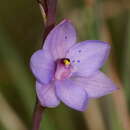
x,y
21,28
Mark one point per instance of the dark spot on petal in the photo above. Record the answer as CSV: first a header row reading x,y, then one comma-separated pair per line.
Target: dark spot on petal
x,y
65,37
73,61
79,51
78,61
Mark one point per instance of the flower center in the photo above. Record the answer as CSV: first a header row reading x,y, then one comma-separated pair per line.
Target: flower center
x,y
63,69
65,61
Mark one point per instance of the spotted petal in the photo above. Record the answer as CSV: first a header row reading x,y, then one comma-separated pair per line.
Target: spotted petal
x,y
46,95
72,95
60,39
42,66
96,85
88,56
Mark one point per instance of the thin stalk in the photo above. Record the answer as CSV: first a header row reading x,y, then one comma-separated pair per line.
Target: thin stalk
x,y
37,115
48,10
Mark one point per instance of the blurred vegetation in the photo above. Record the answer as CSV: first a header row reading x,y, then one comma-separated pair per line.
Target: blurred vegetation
x,y
21,28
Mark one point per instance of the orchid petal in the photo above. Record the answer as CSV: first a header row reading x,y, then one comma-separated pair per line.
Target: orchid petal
x,y
60,39
72,95
42,66
88,56
96,85
46,95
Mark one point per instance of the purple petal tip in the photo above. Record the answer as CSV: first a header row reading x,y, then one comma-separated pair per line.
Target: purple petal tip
x,y
66,21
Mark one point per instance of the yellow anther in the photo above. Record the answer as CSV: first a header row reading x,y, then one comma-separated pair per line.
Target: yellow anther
x,y
66,62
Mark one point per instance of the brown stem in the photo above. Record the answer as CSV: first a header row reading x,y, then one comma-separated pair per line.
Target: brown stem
x,y
37,115
49,7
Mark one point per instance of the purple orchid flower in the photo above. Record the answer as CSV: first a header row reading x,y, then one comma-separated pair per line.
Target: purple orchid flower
x,y
69,72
